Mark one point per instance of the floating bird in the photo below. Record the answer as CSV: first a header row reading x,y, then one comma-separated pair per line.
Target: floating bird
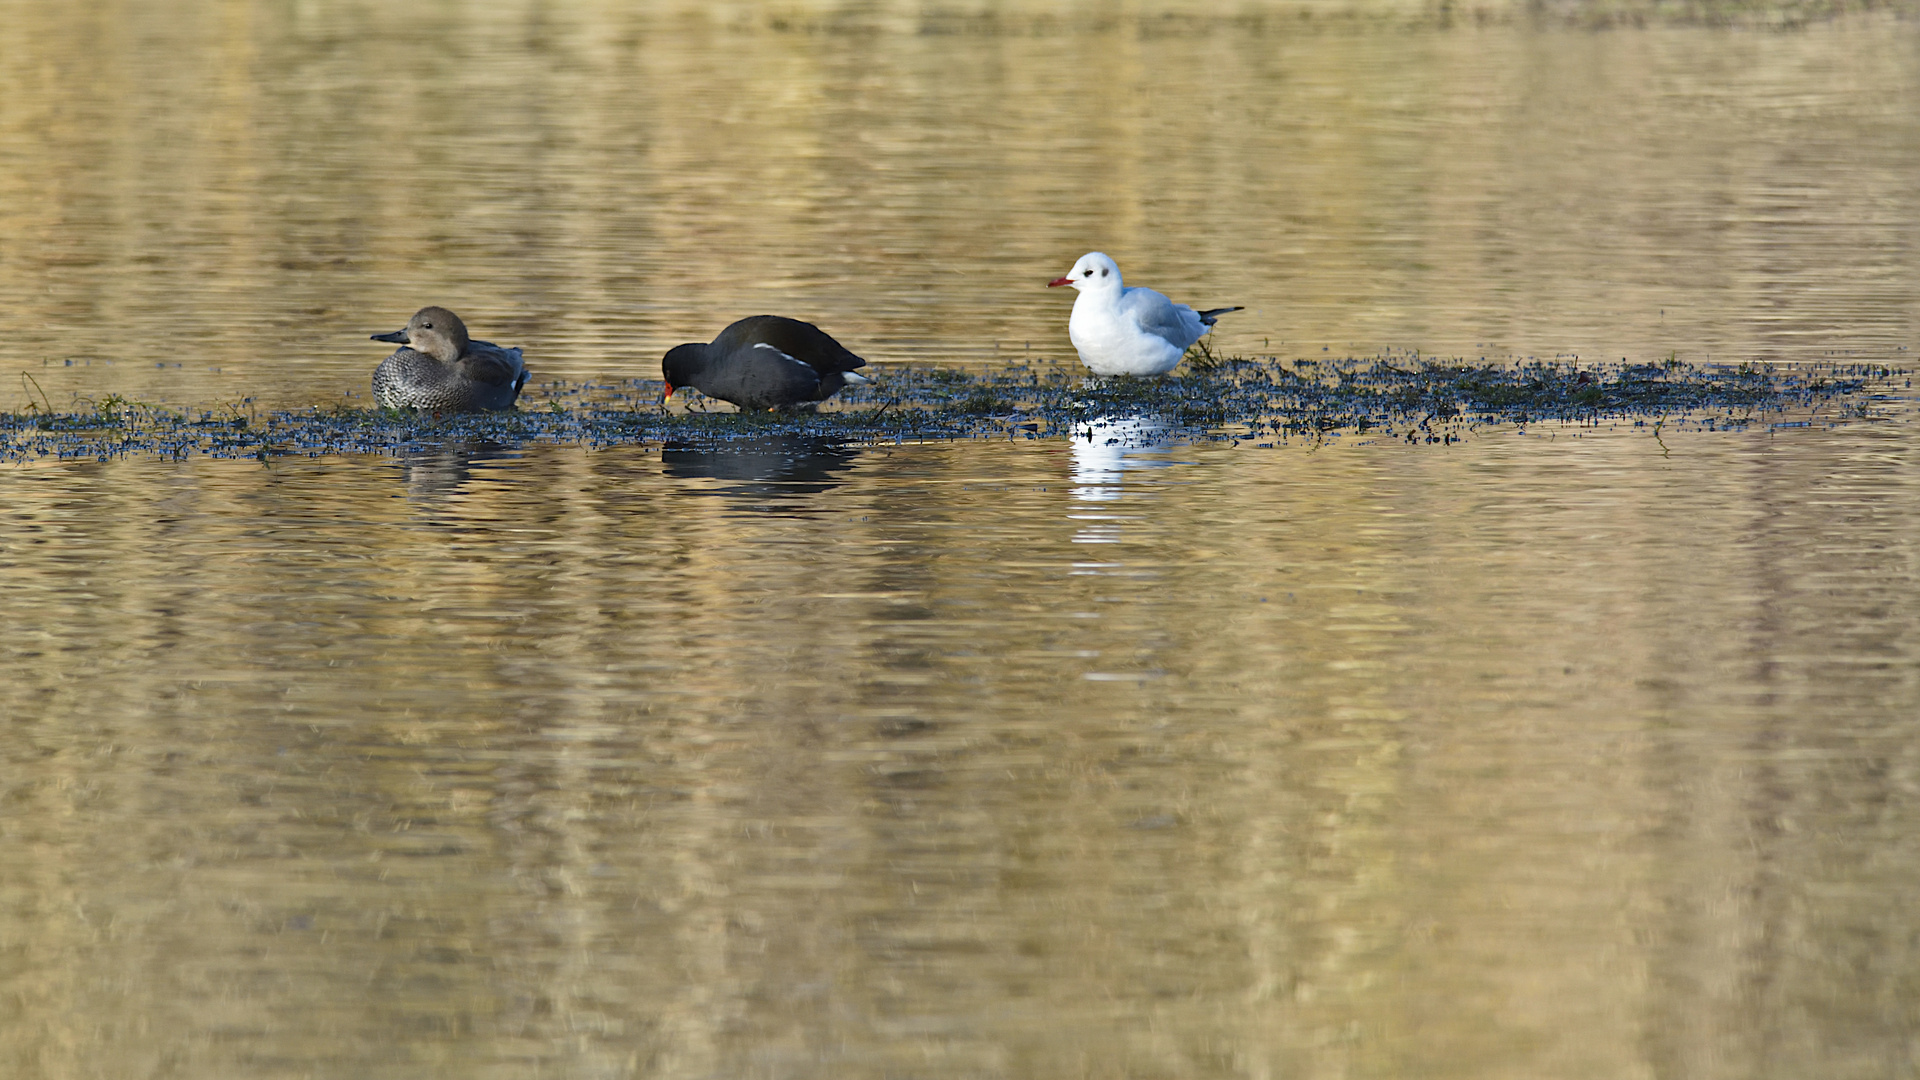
x,y
439,369
1122,331
764,362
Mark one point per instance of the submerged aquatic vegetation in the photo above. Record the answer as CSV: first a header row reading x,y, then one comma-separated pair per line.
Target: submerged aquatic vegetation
x,y
1420,400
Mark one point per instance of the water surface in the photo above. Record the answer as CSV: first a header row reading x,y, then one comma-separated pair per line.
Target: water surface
x,y
1560,751
248,192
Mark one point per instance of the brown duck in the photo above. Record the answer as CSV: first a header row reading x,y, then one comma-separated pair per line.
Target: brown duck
x,y
438,368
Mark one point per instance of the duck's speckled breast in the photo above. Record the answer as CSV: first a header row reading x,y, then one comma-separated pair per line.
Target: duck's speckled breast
x,y
414,380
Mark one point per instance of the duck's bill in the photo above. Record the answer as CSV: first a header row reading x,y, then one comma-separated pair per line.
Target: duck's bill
x,y
1059,281
398,337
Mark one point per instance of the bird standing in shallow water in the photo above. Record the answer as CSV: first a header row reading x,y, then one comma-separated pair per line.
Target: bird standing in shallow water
x,y
439,369
764,362
1123,331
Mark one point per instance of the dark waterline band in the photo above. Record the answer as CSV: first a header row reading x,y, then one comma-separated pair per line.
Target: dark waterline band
x,y
1417,401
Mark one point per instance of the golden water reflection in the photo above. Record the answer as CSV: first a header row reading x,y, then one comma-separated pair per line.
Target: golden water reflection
x,y
1546,755
206,202
1566,752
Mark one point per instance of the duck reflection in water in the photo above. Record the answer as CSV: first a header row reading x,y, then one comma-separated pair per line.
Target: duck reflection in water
x,y
434,473
1104,451
771,466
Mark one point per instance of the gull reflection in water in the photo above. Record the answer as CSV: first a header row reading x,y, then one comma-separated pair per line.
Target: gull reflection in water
x,y
770,467
1104,451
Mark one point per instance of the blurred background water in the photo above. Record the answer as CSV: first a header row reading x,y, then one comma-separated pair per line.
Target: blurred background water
x,y
1561,751
247,190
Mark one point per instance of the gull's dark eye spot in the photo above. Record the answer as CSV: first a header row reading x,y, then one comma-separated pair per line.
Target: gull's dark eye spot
x,y
1103,272
1089,272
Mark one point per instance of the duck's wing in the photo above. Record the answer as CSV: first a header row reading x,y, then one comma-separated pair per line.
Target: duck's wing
x,y
485,362
802,341
1177,324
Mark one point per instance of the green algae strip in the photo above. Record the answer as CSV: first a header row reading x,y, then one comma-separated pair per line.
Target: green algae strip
x,y
1265,401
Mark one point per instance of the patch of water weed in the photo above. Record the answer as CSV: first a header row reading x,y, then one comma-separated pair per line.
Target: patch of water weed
x,y
1200,358
982,401
1230,398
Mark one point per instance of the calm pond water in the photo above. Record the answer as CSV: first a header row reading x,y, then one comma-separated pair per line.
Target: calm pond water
x,y
1557,752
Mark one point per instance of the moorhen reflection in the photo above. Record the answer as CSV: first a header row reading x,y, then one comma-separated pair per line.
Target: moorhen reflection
x,y
768,465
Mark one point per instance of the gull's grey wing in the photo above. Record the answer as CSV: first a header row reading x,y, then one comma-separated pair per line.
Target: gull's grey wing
x,y
1161,317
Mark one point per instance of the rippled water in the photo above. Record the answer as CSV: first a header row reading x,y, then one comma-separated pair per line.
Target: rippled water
x,y
248,192
1566,751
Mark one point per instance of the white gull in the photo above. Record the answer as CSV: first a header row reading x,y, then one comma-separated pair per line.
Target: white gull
x,y
1123,331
